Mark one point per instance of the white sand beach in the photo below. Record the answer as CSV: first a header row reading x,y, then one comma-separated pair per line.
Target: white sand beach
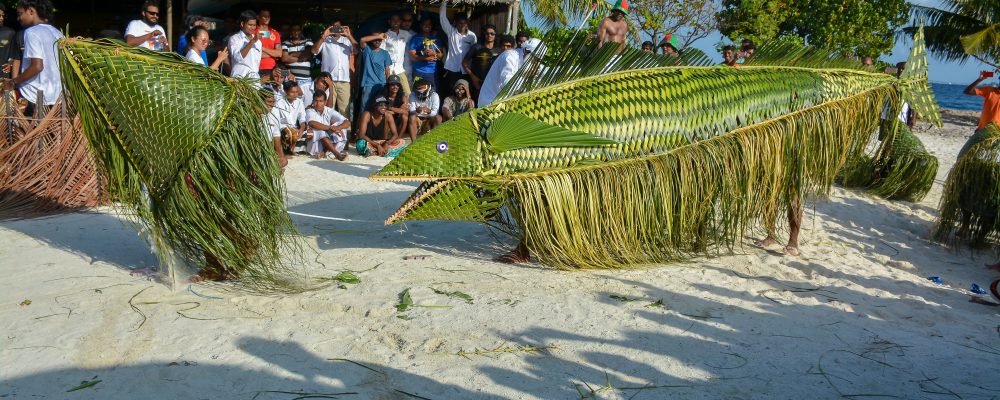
x,y
855,316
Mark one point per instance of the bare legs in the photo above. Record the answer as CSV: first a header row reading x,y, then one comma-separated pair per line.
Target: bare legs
x,y
794,215
328,145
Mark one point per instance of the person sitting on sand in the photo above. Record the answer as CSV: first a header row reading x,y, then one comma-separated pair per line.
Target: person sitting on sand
x,y
328,129
293,114
399,105
424,105
458,103
377,132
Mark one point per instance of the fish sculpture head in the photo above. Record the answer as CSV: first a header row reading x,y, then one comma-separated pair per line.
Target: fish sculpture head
x,y
458,163
449,161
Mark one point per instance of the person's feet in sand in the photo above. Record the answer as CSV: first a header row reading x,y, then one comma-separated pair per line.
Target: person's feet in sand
x,y
792,250
519,255
765,242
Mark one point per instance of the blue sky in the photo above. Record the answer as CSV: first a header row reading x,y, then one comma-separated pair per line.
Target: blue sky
x,y
940,70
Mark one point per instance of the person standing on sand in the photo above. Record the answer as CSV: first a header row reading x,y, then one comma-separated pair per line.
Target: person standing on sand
x,y
991,100
614,28
990,113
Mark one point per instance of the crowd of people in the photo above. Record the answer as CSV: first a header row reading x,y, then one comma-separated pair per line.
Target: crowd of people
x,y
374,91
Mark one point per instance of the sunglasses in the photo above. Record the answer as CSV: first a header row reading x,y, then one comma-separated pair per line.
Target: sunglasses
x,y
154,13
491,33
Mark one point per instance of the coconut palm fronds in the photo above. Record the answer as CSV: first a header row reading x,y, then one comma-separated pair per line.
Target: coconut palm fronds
x,y
694,197
905,172
185,152
44,164
970,204
644,165
901,168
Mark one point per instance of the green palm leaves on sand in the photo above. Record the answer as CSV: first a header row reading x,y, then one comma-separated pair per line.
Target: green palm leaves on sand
x,y
970,203
194,140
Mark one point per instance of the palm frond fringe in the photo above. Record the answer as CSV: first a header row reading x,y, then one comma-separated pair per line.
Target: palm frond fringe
x,y
699,196
184,152
970,204
905,172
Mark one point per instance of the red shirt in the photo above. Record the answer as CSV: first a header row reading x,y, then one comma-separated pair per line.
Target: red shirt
x,y
991,106
270,41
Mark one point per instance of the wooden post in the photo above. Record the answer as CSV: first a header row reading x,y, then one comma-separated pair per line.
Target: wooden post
x,y
515,16
170,23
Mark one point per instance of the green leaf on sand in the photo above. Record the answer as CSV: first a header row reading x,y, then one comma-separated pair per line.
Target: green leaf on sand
x,y
85,384
347,277
405,302
623,298
456,294
657,304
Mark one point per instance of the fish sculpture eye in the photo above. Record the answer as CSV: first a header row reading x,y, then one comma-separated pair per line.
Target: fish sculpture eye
x,y
442,147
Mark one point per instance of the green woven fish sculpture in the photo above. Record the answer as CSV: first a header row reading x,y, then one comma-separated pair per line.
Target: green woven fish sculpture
x,y
641,166
184,151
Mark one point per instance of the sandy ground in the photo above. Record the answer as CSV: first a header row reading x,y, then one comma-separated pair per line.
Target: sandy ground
x,y
855,316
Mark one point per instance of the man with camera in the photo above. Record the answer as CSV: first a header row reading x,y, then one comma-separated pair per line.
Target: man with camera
x,y
336,50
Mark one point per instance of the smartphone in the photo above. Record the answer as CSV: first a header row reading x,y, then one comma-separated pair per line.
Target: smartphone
x,y
987,74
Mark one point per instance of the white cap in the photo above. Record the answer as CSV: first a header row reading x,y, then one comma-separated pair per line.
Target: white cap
x,y
531,44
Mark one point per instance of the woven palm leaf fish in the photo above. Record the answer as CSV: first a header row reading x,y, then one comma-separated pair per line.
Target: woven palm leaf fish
x,y
185,152
640,166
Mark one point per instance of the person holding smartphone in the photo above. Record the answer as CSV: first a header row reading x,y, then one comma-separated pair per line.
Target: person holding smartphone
x,y
336,49
991,100
145,32
269,39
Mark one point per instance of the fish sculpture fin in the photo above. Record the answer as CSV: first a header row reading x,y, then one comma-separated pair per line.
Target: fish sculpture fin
x,y
514,130
557,61
914,87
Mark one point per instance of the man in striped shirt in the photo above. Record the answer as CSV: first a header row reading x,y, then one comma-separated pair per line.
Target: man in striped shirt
x,y
296,54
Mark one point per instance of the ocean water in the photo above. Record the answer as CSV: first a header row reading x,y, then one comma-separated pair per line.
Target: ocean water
x,y
951,96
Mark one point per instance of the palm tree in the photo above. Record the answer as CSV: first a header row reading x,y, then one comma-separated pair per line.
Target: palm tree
x,y
961,29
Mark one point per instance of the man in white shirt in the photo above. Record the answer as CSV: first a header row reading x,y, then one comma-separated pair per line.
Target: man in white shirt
x,y
395,43
336,49
245,49
460,40
328,129
144,32
503,69
292,114
39,77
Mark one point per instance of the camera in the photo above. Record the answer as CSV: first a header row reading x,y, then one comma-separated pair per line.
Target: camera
x,y
337,29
